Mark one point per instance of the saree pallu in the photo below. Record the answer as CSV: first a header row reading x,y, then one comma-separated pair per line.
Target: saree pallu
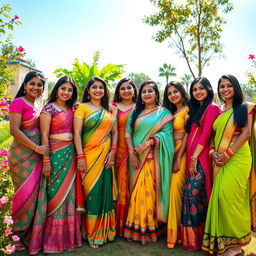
x,y
122,173
98,224
150,184
25,170
228,217
197,189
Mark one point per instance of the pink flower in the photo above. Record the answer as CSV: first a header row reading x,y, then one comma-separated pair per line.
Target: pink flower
x,y
8,231
4,98
4,104
4,199
1,204
8,220
4,164
16,17
9,249
251,56
3,152
20,49
15,238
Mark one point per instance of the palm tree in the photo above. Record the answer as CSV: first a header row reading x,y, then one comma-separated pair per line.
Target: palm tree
x,y
167,70
186,80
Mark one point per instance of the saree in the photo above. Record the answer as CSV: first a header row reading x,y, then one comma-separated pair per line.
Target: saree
x,y
197,190
150,184
177,185
122,172
60,229
228,218
25,170
98,224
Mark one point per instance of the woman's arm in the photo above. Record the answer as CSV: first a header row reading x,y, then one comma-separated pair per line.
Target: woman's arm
x,y
78,125
110,159
15,122
242,138
45,122
179,153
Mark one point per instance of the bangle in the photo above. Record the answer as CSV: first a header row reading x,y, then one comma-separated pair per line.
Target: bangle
x,y
212,147
225,153
113,147
229,152
46,160
193,159
210,152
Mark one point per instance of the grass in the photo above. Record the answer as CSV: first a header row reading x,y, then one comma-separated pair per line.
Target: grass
x,y
121,247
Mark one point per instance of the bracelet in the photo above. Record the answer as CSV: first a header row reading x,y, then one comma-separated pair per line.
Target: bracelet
x,y
113,147
225,153
35,148
229,152
212,147
210,152
46,160
193,159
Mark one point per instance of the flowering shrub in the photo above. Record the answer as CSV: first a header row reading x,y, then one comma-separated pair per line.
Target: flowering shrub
x,y
251,75
7,238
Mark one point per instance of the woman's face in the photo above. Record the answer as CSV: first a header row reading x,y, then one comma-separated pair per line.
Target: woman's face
x,y
226,90
65,92
174,95
126,91
148,94
96,91
34,88
199,92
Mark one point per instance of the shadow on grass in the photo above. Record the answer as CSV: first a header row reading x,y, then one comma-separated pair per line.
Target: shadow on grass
x,y
121,247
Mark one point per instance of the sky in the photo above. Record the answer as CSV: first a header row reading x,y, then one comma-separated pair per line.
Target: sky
x,y
55,32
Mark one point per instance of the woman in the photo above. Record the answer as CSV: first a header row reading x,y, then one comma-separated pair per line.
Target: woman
x,y
176,99
94,121
61,228
150,142
124,99
196,194
25,154
227,226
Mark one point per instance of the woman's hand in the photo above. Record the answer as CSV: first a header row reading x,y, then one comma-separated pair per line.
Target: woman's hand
x,y
42,150
192,167
176,164
81,165
222,159
110,159
141,147
135,162
47,168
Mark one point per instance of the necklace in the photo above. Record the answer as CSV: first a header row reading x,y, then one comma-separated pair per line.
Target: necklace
x,y
61,107
149,110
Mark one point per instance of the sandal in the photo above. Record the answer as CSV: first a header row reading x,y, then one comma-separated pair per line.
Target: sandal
x,y
232,252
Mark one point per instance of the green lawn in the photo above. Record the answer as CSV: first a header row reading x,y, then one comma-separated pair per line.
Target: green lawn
x,y
121,247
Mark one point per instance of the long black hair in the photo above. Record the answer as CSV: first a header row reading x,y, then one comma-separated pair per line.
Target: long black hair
x,y
240,109
61,81
29,76
117,97
139,105
166,102
105,98
196,110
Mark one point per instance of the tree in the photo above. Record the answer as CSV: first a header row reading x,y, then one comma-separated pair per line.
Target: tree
x,y
249,91
167,70
138,78
7,49
194,28
82,72
50,87
186,80
251,75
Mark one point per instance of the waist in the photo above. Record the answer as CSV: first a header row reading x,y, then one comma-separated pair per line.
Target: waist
x,y
62,136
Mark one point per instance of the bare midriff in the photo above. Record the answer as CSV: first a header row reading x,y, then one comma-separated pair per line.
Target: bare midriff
x,y
62,136
178,135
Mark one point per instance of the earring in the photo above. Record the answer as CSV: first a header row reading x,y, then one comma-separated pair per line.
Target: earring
x,y
89,97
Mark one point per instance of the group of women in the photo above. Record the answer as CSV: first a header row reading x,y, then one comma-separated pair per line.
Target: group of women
x,y
96,170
